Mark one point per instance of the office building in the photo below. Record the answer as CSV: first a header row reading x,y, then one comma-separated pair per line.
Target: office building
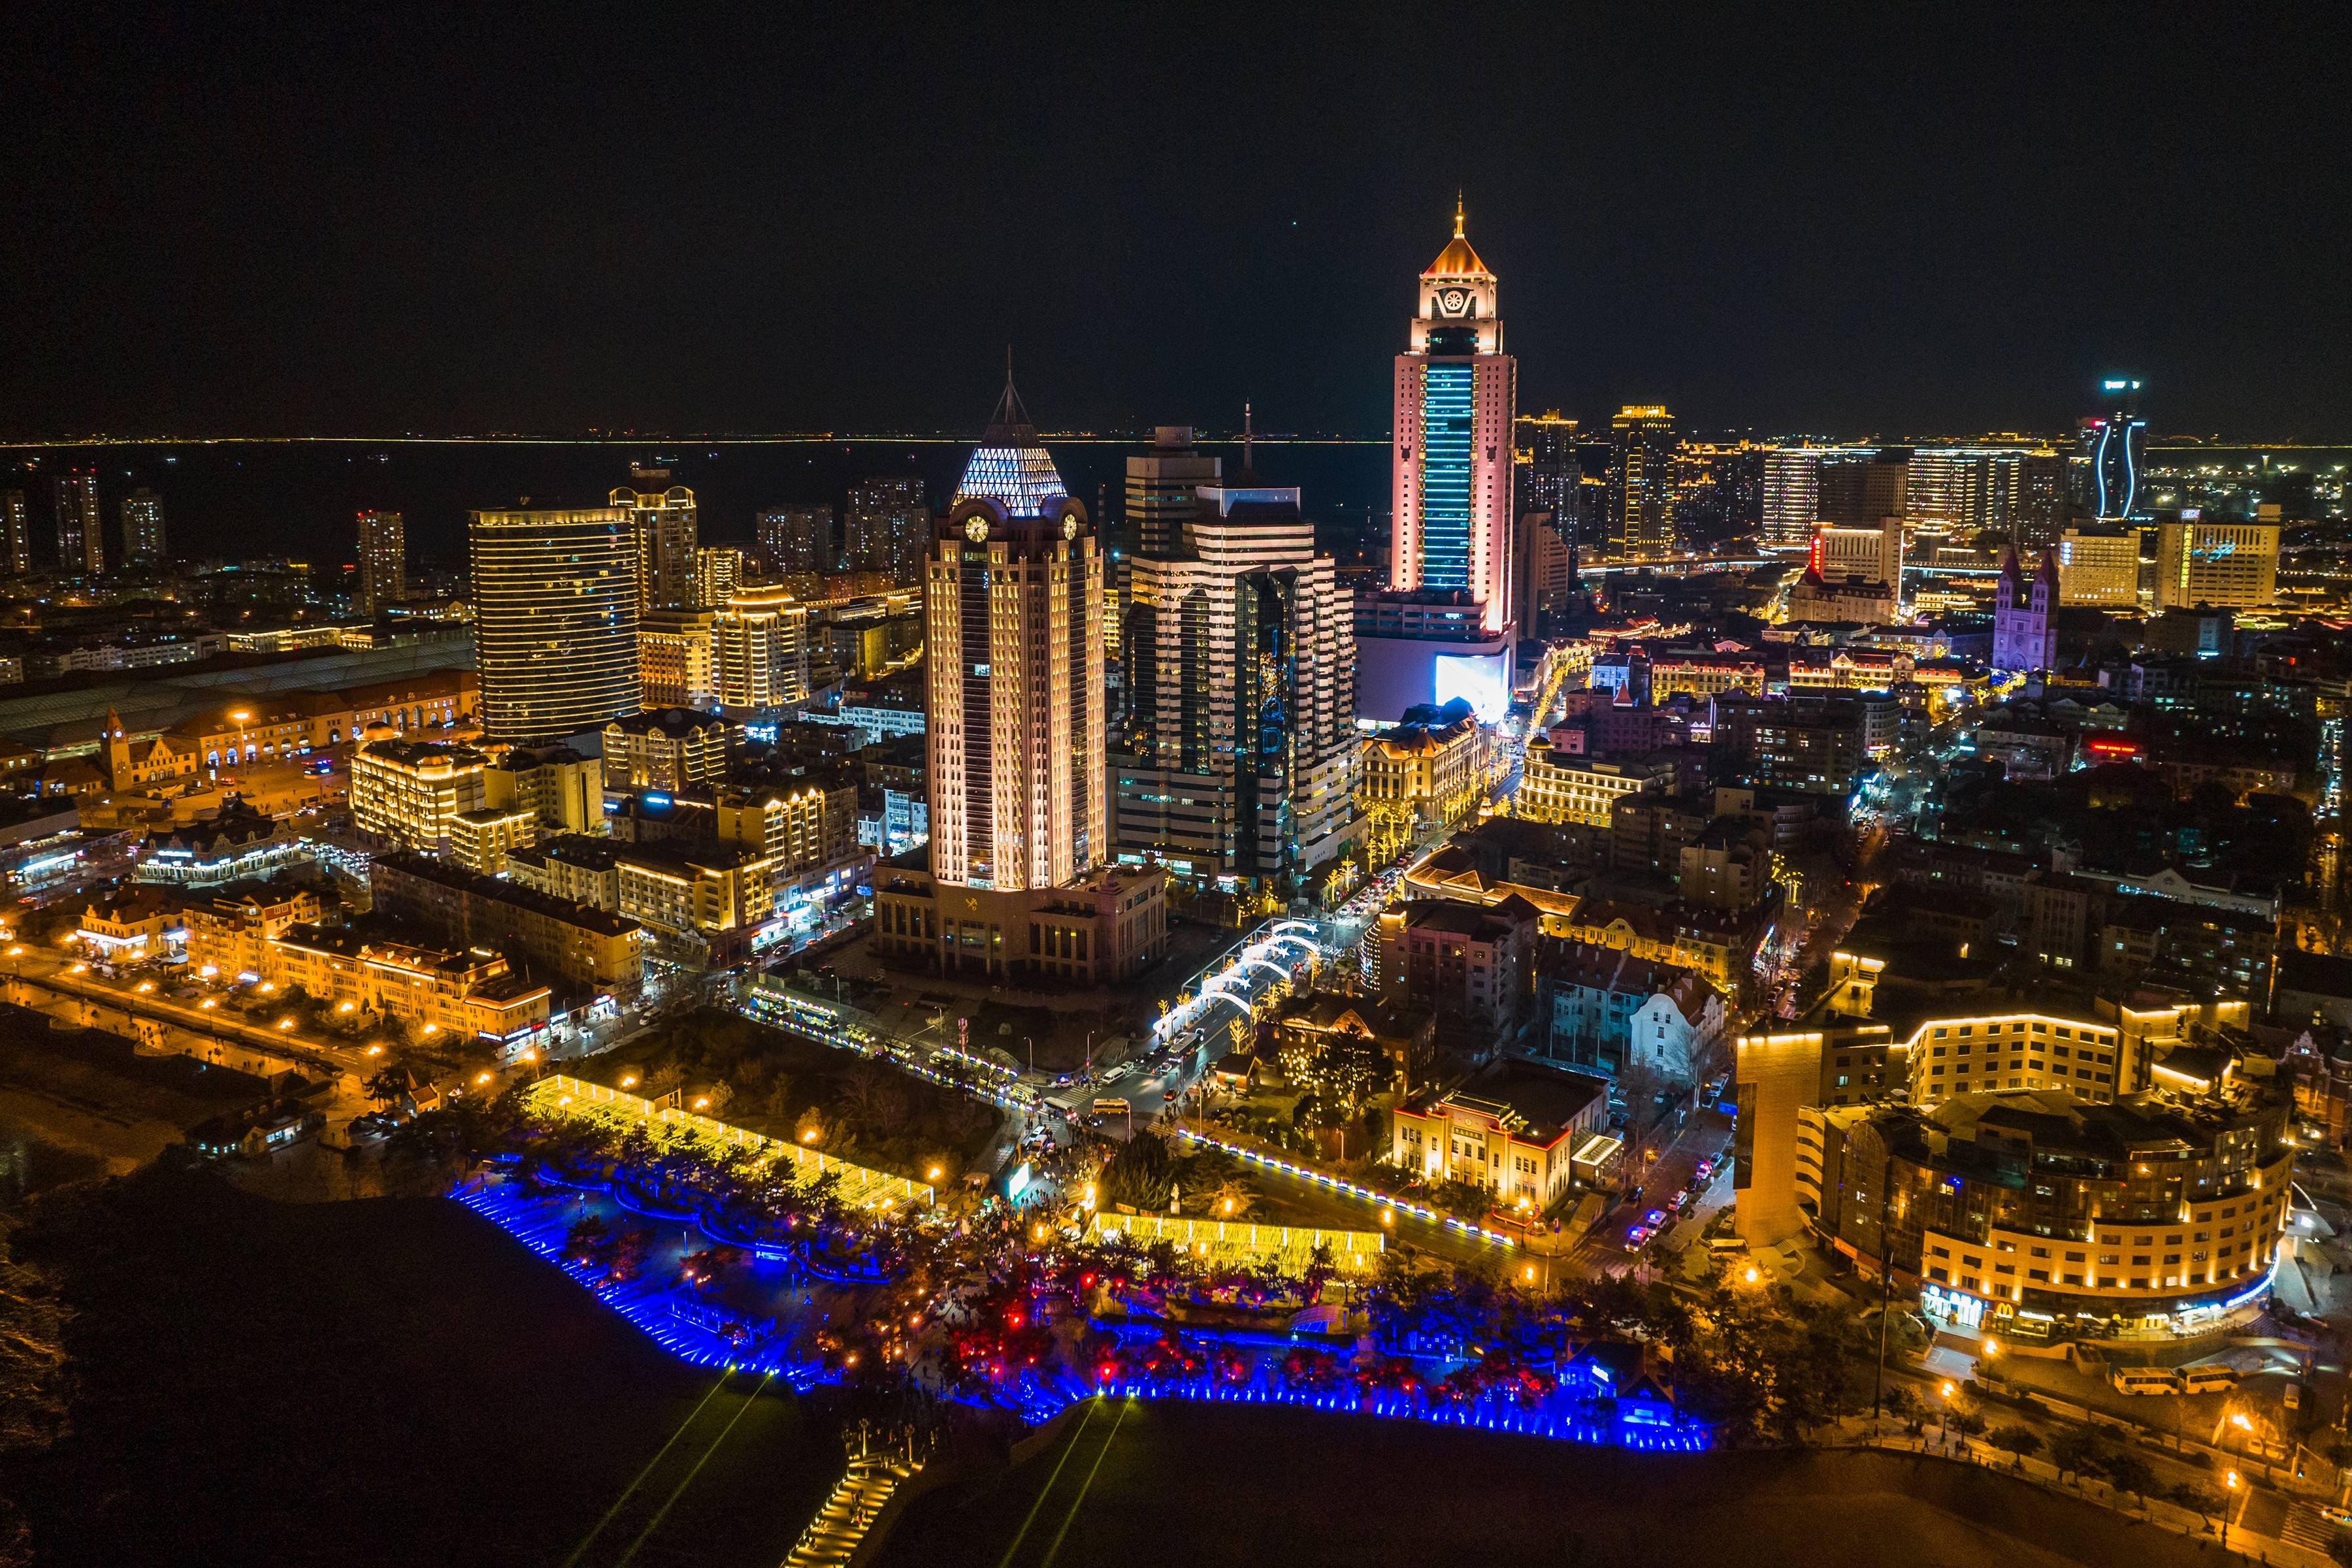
x,y
15,534
404,792
717,571
1791,497
556,620
595,948
1545,575
663,524
2219,562
1159,502
1641,506
1456,395
797,539
383,562
1012,880
1872,553
1428,770
1552,475
142,527
82,544
2116,443
1522,1129
674,661
1240,662
2099,565
1425,648
666,750
758,650
886,527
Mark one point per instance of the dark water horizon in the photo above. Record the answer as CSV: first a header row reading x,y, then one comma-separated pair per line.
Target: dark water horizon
x,y
300,499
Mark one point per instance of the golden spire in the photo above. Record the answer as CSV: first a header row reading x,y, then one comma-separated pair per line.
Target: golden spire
x,y
1457,215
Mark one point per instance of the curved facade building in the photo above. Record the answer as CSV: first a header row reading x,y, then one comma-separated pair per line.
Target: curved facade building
x,y
556,620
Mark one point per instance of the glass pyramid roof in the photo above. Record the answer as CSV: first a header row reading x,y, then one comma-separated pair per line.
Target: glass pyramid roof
x,y
1022,478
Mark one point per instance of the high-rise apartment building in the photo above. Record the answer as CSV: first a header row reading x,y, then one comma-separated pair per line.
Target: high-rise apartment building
x,y
665,523
2215,562
798,539
758,649
81,545
15,534
674,656
1640,520
1862,487
2041,510
717,572
887,527
1159,501
383,562
143,526
1792,496
1240,660
1551,478
555,619
1456,396
2116,443
1013,879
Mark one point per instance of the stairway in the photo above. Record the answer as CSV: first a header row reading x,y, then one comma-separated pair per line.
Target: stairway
x,y
842,1520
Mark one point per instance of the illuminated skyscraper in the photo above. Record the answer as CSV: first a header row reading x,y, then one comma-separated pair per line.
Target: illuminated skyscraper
x,y
81,546
15,534
1241,666
1640,520
2221,562
383,562
665,524
555,619
758,649
1160,497
2116,443
1551,478
1020,787
1456,396
717,570
1013,879
142,526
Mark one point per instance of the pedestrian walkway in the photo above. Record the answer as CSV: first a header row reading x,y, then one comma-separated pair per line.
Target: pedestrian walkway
x,y
842,1521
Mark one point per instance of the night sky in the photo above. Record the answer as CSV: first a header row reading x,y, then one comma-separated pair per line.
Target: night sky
x,y
261,223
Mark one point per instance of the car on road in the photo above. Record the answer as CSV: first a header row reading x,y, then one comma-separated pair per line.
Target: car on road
x,y
1636,1237
1654,1217
2341,1518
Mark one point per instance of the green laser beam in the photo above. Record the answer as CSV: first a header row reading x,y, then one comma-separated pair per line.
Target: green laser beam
x,y
590,1538
1080,1502
1006,1561
670,1502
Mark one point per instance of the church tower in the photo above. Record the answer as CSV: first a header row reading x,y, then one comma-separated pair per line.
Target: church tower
x,y
118,753
1456,393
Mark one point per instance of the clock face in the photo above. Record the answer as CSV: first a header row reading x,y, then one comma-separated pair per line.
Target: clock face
x,y
976,530
1069,528
1452,301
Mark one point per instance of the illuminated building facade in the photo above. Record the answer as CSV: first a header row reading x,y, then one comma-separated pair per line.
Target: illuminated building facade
x,y
717,572
797,539
1012,880
1240,660
2099,566
887,527
666,749
406,791
674,658
2218,563
1419,775
664,526
143,526
15,534
81,543
1639,524
2115,442
1456,394
2024,624
1872,554
758,649
383,562
556,620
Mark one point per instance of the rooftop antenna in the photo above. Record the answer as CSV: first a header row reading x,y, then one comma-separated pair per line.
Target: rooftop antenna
x,y
1457,211
1249,441
1010,425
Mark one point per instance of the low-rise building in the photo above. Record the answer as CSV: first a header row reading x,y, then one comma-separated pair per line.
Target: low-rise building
x,y
596,947
483,840
405,793
1472,965
229,928
1608,1010
558,785
1557,788
469,992
1404,1037
1522,1129
234,846
1429,769
132,926
665,749
1105,927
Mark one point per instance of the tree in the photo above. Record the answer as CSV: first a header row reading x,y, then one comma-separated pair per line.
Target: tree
x,y
1142,1173
2076,1451
2130,1473
2023,1442
387,1085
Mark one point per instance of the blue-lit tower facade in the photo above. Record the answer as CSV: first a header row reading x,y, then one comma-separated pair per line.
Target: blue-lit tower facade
x,y
1456,395
2116,443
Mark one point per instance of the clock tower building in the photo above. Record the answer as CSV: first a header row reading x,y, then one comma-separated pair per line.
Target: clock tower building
x,y
1456,395
1014,882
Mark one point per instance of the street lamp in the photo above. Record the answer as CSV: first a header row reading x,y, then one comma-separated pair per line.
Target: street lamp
x,y
243,718
2225,1511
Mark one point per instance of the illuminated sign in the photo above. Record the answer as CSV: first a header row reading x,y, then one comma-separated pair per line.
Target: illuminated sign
x,y
658,802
